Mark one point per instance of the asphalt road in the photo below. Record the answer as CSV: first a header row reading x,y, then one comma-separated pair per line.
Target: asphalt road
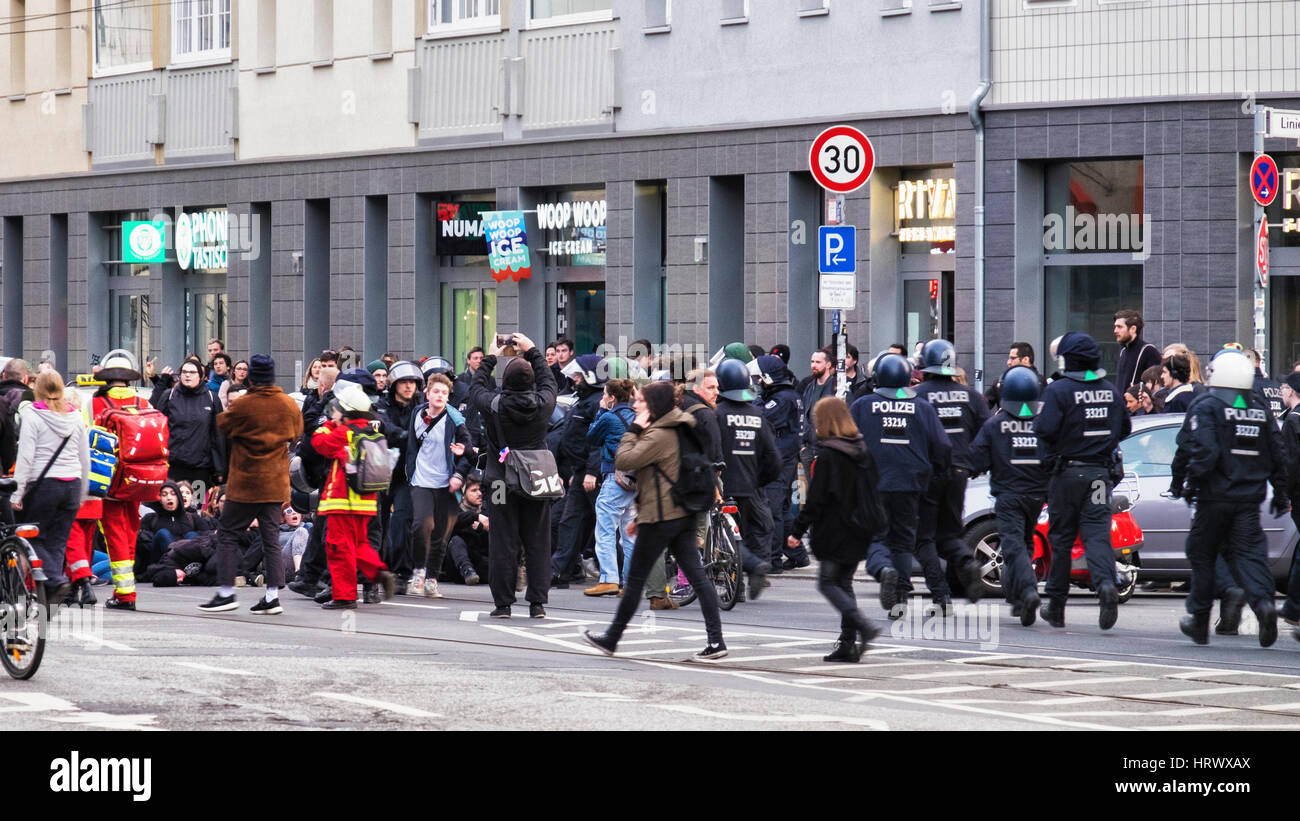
x,y
443,664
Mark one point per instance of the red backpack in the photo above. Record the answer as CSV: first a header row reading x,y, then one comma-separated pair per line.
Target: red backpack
x,y
141,433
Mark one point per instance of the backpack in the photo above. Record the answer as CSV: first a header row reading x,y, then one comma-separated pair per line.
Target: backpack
x,y
141,433
696,485
369,468
103,461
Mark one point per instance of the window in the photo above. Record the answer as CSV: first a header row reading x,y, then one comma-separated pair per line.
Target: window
x,y
63,44
895,6
323,32
200,30
658,14
266,14
447,15
17,47
569,10
735,10
810,8
469,319
123,36
381,27
458,229
1151,452
1094,207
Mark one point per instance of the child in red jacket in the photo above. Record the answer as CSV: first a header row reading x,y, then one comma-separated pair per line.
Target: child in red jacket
x,y
349,512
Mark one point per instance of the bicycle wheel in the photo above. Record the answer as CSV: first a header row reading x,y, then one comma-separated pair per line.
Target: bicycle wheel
x,y
22,613
725,568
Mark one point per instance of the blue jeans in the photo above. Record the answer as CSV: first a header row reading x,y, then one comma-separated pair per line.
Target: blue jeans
x,y
613,513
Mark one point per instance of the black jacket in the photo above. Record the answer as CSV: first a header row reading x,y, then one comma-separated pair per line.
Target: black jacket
x,y
748,448
573,456
811,393
1291,438
783,407
1082,420
397,421
1230,448
1135,358
1012,454
522,416
706,424
192,438
833,493
962,411
12,394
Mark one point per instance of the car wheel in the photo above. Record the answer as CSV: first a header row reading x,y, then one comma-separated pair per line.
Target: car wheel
x,y
982,537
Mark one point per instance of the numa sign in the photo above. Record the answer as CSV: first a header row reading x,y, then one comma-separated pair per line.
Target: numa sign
x,y
202,240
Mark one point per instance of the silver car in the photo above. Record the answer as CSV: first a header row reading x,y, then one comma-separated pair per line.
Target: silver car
x,y
1148,454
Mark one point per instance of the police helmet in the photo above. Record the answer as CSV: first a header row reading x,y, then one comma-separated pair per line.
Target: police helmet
x,y
358,376
772,371
594,371
298,476
893,371
1020,392
432,365
406,370
1231,369
938,356
733,381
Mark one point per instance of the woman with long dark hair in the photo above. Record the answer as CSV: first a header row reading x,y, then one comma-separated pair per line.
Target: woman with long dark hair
x,y
651,449
834,507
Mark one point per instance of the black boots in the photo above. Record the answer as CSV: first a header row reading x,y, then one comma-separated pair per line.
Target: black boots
x,y
1029,610
1052,613
1230,607
1197,627
1108,597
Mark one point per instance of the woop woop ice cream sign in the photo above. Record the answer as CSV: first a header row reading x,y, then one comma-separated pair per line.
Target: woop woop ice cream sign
x,y
507,245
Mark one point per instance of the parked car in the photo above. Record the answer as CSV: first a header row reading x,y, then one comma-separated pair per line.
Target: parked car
x,y
1148,454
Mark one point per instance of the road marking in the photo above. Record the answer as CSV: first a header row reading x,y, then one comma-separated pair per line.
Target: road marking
x,y
531,634
400,709
101,642
110,721
227,670
822,668
1184,727
33,702
625,642
471,615
868,723
748,659
1294,705
796,643
1206,671
895,649
421,606
929,691
1191,711
1091,664
1211,691
1075,682
1008,671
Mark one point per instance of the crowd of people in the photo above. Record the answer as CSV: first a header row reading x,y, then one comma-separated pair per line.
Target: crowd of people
x,y
535,469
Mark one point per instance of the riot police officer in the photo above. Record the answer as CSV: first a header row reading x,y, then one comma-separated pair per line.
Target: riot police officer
x,y
1081,422
1009,449
907,442
962,411
749,450
1231,448
783,408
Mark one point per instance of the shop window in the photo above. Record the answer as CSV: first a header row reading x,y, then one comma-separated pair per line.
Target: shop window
x,y
1094,207
569,11
123,36
1085,298
445,15
469,320
458,228
129,324
573,227
200,30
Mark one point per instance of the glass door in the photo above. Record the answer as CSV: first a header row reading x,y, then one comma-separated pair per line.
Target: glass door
x,y
586,315
927,309
205,318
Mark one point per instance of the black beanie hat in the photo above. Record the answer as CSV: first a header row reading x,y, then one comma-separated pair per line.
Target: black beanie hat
x,y
261,369
1293,380
518,376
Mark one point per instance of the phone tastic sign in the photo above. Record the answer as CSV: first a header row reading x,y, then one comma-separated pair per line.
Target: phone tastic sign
x,y
841,159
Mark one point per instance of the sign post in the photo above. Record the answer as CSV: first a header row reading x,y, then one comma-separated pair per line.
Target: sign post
x,y
1263,186
841,160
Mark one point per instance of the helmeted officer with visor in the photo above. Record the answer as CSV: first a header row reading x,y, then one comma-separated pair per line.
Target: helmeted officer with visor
x,y
962,412
1232,450
1081,422
907,442
1009,449
783,408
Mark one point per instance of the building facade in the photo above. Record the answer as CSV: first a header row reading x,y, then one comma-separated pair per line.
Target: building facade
x,y
317,172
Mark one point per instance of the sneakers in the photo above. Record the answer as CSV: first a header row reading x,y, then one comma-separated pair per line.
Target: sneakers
x,y
888,588
471,577
1108,596
339,604
501,612
267,608
601,641
713,651
536,611
663,603
415,587
431,589
219,603
1029,610
114,603
602,589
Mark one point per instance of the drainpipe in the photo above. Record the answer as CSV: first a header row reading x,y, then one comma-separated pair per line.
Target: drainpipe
x,y
977,120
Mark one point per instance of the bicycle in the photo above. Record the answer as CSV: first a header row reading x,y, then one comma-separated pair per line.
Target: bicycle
x,y
22,598
720,556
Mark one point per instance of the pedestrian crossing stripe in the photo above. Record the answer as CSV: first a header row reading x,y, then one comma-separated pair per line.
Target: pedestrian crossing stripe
x,y
1240,402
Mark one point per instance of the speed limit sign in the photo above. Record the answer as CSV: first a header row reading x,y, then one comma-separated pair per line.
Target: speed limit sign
x,y
841,159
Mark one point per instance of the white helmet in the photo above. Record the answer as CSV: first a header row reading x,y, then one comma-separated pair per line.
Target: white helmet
x,y
351,396
1232,369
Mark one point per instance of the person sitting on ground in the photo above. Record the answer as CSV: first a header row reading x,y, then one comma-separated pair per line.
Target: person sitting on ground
x,y
167,521
293,537
467,550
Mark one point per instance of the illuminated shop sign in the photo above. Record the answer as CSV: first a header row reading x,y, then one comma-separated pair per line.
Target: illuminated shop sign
x,y
203,240
931,201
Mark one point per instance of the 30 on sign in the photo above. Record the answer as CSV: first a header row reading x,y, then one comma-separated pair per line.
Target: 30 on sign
x,y
841,159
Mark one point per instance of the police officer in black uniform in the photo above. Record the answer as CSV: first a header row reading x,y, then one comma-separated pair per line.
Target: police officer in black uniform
x,y
783,408
749,449
1233,449
962,411
1081,422
1009,449
907,442
1267,389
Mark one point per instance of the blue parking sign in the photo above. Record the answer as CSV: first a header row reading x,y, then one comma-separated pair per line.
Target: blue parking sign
x,y
837,249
